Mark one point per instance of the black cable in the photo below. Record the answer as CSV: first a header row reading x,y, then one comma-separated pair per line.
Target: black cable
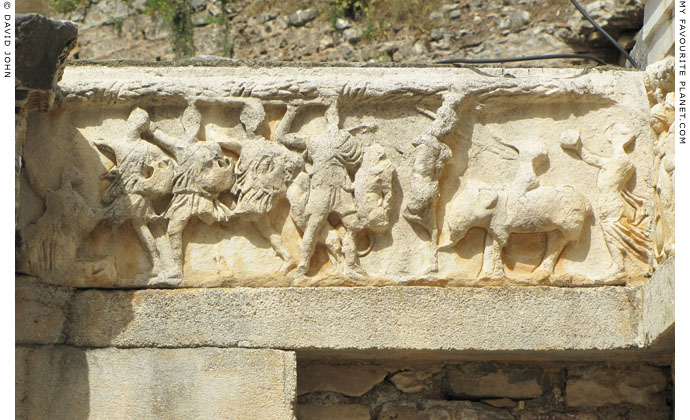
x,y
550,56
525,58
603,32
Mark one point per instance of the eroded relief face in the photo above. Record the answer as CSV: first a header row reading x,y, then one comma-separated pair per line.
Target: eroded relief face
x,y
342,177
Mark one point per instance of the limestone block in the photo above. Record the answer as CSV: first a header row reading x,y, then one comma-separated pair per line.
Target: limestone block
x,y
658,312
451,410
340,176
487,380
332,412
541,319
20,376
203,383
595,386
353,381
40,311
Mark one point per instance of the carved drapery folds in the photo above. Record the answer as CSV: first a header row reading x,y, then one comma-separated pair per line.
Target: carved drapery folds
x,y
660,83
313,180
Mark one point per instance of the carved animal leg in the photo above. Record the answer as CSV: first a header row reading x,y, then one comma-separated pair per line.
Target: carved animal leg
x,y
264,227
314,224
352,268
175,229
334,245
492,265
149,242
433,246
555,244
429,224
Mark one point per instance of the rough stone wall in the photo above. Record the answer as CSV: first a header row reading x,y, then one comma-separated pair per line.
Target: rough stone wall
x,y
114,29
485,390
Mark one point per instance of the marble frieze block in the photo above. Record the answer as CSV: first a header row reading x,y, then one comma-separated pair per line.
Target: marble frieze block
x,y
346,176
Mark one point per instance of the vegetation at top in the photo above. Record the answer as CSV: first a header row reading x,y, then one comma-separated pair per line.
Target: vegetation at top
x,y
379,15
178,15
66,6
376,16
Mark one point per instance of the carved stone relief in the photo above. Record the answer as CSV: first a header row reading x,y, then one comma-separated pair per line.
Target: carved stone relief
x,y
660,83
42,46
283,179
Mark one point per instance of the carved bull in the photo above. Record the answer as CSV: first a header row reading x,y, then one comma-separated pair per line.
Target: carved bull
x,y
559,211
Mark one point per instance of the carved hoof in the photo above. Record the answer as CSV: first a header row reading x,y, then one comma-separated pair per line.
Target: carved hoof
x,y
300,278
155,270
496,275
287,266
540,275
166,279
432,269
162,281
614,275
355,272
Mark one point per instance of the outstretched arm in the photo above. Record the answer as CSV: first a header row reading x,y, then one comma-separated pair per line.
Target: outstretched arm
x,y
167,142
294,141
446,116
590,158
570,140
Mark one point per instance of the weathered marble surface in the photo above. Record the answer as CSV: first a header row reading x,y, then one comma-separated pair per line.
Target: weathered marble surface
x,y
328,176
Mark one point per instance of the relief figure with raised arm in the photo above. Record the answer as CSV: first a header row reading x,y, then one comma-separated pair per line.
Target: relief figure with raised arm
x,y
429,157
262,174
620,212
333,158
202,173
141,175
